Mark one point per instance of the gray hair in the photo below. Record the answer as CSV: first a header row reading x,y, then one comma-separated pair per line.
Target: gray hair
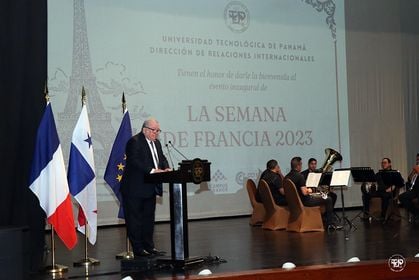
x,y
147,122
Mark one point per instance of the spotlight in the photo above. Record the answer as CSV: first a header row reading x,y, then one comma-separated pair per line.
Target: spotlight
x,y
417,255
205,272
127,278
288,265
353,259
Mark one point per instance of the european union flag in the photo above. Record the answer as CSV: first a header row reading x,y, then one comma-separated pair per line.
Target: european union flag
x,y
116,162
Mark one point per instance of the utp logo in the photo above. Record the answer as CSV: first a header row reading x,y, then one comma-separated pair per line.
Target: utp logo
x,y
236,16
397,263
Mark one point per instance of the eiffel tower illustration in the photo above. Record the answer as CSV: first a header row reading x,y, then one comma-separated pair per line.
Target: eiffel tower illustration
x,y
82,75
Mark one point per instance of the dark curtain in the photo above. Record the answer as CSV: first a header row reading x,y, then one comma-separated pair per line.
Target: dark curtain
x,y
23,54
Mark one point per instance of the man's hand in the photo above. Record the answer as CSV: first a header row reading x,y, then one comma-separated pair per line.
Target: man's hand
x,y
306,191
390,189
162,170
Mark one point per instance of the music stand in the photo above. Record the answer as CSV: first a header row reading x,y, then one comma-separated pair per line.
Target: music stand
x,y
363,175
326,179
341,178
313,179
391,178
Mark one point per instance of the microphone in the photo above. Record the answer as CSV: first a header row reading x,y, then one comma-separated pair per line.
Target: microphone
x,y
170,156
179,152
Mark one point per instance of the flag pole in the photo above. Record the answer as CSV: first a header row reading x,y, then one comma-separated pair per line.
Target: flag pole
x,y
46,92
124,103
128,254
53,268
86,261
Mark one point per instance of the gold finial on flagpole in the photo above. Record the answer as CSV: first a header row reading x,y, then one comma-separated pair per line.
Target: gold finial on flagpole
x,y
124,103
46,92
83,96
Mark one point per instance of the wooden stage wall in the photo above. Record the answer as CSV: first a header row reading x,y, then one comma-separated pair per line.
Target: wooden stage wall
x,y
374,270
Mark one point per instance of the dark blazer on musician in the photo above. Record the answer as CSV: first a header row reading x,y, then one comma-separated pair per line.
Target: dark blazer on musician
x,y
139,162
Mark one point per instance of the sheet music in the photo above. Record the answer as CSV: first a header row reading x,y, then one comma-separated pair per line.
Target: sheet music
x,y
340,178
313,179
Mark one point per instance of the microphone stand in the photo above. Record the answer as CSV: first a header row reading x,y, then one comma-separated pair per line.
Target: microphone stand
x,y
170,156
179,152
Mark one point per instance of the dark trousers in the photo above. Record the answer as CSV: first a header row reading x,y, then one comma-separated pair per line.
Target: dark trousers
x,y
311,201
333,196
385,201
280,201
139,219
406,199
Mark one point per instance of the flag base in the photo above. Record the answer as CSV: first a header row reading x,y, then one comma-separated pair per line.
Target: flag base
x,y
125,256
56,268
86,262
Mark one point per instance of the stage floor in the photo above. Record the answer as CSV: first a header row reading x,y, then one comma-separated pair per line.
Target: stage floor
x,y
247,248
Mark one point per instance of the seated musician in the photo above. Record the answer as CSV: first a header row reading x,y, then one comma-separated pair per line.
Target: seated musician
x,y
273,177
412,192
312,167
305,193
378,190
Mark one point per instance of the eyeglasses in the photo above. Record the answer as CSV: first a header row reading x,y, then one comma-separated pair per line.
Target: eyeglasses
x,y
155,130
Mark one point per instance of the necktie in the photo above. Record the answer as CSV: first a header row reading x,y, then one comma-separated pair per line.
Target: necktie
x,y
413,181
155,157
158,187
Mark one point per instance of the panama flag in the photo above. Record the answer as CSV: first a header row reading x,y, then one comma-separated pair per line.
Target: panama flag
x,y
48,180
81,176
116,163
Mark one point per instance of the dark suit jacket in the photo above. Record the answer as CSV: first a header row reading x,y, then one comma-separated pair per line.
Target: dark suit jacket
x,y
305,173
138,163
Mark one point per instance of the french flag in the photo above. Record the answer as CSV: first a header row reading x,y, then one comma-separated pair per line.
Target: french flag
x,y
81,176
48,180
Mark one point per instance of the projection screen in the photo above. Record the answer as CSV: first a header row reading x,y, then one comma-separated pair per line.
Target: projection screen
x,y
234,82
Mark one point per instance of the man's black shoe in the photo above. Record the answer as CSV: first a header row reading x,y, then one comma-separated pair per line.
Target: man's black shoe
x,y
365,216
143,254
156,252
338,227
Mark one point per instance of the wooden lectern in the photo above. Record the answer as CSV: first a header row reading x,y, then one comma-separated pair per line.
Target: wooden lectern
x,y
195,171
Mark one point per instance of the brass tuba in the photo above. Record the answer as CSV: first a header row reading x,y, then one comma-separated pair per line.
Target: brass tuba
x,y
332,156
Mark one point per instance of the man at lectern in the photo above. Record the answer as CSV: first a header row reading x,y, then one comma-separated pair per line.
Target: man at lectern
x,y
144,155
305,193
379,190
273,177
